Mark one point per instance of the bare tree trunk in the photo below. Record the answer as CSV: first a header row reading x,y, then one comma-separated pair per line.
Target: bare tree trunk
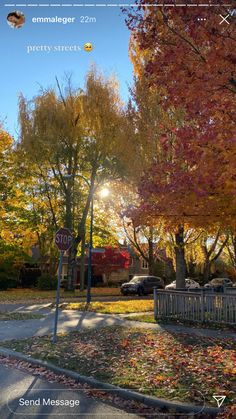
x,y
234,247
232,251
72,264
206,270
68,205
209,256
180,258
69,224
151,252
80,238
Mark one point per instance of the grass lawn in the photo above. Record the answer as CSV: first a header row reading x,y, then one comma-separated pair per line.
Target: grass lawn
x,y
147,318
115,307
173,366
28,294
19,316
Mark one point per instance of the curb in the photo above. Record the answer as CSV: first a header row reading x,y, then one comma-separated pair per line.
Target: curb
x,y
124,393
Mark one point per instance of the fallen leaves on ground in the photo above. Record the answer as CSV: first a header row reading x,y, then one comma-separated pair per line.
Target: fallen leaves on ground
x,y
174,366
227,413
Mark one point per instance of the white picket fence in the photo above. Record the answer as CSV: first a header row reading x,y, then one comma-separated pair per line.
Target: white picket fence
x,y
195,306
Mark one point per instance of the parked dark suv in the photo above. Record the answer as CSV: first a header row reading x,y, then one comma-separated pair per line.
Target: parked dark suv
x,y
142,285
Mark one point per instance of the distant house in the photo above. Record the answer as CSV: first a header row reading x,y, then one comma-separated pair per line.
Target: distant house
x,y
115,265
110,265
139,265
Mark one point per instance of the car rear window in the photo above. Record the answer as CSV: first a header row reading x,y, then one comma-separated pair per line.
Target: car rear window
x,y
156,279
135,280
217,281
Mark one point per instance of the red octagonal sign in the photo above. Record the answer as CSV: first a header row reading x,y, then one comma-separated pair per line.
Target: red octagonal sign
x,y
63,239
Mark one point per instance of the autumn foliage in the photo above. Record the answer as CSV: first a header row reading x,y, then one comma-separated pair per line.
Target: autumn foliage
x,y
191,66
111,260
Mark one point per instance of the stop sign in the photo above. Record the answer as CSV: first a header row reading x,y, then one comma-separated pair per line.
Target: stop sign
x,y
63,239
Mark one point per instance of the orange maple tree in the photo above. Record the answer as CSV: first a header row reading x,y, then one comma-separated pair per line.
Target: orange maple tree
x,y
191,64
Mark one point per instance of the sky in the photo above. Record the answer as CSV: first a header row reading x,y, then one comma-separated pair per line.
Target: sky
x,y
25,71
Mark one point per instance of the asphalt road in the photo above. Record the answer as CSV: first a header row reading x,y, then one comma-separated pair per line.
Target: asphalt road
x,y
18,388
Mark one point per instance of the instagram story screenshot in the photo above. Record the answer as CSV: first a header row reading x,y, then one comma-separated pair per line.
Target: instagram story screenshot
x,y
118,209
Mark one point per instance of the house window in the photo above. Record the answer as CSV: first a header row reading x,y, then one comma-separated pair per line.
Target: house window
x,y
144,264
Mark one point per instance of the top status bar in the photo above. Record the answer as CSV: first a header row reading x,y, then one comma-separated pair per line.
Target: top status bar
x,y
116,5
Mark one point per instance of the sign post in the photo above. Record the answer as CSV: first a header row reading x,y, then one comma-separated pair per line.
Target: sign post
x,y
90,267
63,241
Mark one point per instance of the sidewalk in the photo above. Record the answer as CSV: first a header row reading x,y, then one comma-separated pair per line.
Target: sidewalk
x,y
74,320
16,384
35,308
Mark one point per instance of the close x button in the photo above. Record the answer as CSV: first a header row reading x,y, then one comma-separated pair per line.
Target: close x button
x,y
227,19
224,19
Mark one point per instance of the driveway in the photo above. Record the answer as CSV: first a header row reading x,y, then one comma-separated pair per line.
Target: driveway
x,y
16,387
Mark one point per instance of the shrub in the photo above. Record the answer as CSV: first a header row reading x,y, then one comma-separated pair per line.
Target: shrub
x,y
29,275
7,281
47,282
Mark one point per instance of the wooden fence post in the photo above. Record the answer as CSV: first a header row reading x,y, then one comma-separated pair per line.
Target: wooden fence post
x,y
202,306
155,304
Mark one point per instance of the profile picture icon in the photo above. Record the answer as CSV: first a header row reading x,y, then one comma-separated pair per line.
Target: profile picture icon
x,y
16,19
